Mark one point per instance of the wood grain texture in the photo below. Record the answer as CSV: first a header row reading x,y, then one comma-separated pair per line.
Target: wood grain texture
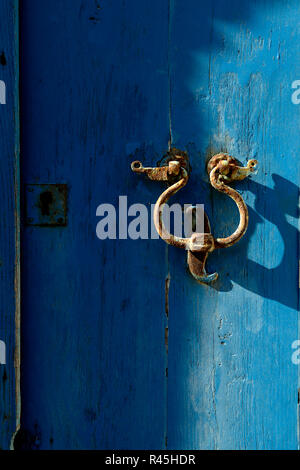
x,y
9,224
110,82
232,384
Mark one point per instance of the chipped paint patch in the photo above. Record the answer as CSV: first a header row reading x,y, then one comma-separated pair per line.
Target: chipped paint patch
x,y
2,353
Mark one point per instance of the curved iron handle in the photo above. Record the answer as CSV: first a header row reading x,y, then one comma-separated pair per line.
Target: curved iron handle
x,y
221,168
218,183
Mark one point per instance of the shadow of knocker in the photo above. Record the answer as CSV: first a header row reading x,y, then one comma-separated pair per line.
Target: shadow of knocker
x,y
279,282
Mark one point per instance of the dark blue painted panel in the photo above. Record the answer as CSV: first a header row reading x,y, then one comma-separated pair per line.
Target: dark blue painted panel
x,y
95,92
9,241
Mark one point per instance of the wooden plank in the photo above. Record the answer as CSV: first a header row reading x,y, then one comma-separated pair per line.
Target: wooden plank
x,y
232,383
94,97
9,224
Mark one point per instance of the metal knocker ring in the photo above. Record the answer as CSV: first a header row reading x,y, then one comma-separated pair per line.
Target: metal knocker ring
x,y
222,170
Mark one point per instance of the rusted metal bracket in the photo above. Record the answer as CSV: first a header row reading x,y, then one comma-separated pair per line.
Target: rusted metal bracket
x,y
222,169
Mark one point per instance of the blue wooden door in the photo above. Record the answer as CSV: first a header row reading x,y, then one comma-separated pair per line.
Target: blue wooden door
x,y
121,347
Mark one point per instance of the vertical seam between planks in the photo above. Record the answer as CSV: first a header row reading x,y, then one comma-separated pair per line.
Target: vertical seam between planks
x,y
298,331
17,279
169,75
167,290
168,277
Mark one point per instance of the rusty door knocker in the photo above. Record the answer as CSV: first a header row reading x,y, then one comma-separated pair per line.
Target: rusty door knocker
x,y
222,169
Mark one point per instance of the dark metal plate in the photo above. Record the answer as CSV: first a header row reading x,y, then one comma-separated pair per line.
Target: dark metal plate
x,y
46,205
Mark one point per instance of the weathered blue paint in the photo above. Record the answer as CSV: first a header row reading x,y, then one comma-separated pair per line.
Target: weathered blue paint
x,y
9,223
232,384
103,82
